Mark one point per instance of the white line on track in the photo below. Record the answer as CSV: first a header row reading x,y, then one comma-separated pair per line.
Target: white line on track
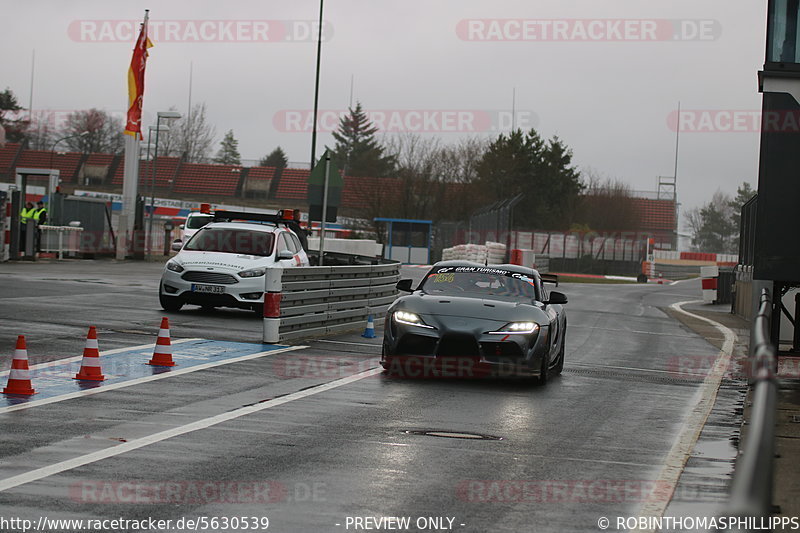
x,y
703,402
352,343
145,379
56,362
63,466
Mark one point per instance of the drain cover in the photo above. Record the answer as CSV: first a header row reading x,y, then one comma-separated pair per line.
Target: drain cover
x,y
452,434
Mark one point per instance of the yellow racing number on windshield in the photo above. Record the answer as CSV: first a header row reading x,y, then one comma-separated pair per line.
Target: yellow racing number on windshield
x,y
446,277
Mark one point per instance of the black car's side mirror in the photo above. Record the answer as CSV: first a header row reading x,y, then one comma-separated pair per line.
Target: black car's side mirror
x,y
557,298
405,285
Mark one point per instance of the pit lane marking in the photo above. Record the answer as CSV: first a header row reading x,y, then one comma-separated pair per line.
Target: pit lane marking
x,y
703,403
119,449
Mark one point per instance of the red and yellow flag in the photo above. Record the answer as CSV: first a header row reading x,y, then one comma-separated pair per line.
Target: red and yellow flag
x,y
136,82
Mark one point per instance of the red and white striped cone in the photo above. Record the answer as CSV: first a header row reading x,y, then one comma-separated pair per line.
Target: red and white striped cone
x,y
162,355
90,366
19,379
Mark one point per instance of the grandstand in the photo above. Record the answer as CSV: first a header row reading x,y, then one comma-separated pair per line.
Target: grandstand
x,y
165,168
293,184
212,180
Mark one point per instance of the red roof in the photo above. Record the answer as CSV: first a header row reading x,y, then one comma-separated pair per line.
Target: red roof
x,y
293,184
362,192
65,162
165,172
220,180
261,173
655,215
7,154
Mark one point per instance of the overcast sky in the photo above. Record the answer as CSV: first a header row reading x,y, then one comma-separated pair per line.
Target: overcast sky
x,y
604,75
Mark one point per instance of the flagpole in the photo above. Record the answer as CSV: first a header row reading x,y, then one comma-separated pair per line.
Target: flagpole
x,y
130,183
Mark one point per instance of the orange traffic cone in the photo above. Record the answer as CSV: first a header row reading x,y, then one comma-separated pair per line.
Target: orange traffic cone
x,y
162,355
90,366
19,380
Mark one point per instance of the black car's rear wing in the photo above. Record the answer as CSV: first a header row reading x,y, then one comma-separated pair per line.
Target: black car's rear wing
x,y
550,278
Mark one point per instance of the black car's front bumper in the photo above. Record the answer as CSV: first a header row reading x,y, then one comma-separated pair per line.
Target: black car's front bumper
x,y
462,349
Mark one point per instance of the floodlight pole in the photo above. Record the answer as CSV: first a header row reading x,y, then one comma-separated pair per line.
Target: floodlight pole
x,y
316,90
324,208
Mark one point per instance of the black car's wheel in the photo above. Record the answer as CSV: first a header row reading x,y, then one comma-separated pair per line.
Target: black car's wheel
x,y
544,371
169,303
559,366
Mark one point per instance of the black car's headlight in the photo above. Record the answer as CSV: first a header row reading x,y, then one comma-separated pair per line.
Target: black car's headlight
x,y
252,273
175,266
411,319
523,328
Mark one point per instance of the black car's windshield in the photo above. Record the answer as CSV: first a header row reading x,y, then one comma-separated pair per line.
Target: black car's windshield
x,y
233,241
198,221
497,284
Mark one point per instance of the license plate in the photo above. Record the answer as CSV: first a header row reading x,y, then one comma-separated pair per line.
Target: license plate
x,y
213,289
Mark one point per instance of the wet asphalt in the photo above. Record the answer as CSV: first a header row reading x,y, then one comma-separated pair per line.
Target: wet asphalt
x,y
589,444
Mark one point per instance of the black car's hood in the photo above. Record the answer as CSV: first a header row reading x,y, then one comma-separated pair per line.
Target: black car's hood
x,y
466,307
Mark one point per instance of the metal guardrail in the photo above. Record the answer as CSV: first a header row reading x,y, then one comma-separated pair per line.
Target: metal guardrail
x,y
309,301
751,490
60,239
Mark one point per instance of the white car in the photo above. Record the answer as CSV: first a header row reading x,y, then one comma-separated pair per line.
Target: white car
x,y
194,221
224,263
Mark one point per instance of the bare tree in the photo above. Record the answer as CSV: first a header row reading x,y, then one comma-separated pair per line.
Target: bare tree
x,y
190,137
436,178
605,205
104,132
41,132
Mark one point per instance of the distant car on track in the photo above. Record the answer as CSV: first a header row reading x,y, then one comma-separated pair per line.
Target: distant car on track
x,y
224,263
470,319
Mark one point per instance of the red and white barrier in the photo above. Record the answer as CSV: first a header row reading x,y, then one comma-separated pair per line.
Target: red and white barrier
x,y
709,275
272,305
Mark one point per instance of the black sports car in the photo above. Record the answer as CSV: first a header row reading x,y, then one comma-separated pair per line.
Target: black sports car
x,y
466,319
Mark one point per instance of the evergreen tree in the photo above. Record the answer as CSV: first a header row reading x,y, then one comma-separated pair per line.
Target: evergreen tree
x,y
14,126
277,158
712,225
523,163
229,151
357,151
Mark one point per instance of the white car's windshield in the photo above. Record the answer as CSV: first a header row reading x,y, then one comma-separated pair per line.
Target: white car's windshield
x,y
198,221
232,241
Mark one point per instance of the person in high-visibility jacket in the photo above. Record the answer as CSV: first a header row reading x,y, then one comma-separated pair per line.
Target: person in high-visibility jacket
x,y
40,216
26,214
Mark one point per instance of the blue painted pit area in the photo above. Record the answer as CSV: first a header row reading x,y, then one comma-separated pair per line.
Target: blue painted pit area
x,y
54,379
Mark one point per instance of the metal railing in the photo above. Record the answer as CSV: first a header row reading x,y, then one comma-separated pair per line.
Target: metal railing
x,y
751,490
310,301
60,239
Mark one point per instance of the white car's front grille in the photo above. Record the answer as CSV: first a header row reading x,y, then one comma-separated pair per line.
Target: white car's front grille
x,y
209,277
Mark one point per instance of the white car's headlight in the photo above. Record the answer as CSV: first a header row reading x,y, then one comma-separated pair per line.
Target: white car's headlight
x,y
252,273
517,327
175,266
411,319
